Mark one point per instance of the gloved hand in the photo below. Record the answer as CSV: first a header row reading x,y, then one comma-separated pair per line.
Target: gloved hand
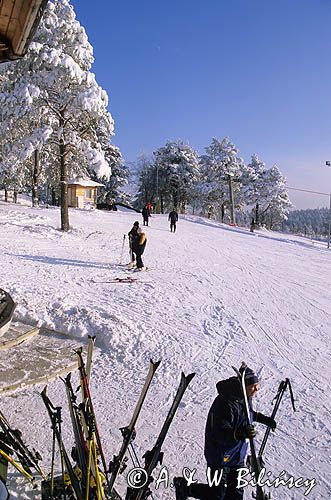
x,y
246,431
263,419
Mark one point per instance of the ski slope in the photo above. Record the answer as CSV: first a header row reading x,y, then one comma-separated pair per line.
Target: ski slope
x,y
212,297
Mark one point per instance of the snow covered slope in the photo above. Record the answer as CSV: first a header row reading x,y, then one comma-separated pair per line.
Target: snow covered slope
x,y
213,296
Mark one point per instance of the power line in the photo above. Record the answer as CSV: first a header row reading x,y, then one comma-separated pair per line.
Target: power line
x,y
306,191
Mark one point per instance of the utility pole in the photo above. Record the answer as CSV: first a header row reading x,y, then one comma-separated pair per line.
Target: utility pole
x,y
329,222
233,214
157,189
328,164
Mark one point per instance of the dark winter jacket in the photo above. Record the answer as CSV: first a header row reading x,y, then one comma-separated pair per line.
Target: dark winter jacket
x,y
145,213
133,236
226,414
173,216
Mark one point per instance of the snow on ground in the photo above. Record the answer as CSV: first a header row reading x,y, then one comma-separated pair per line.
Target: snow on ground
x,y
213,296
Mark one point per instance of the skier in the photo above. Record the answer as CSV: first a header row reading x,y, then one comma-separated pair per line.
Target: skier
x,y
210,213
137,245
133,236
173,217
225,440
146,214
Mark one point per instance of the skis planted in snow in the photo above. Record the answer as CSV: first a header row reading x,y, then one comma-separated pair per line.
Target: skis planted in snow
x,y
155,456
128,432
90,346
55,416
80,442
89,406
255,464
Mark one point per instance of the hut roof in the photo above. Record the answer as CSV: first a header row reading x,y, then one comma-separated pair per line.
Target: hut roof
x,y
83,182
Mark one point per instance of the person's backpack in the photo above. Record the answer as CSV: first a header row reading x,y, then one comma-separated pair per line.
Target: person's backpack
x,y
142,238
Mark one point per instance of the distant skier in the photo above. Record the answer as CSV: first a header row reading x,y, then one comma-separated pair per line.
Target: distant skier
x,y
225,440
252,226
210,213
149,207
173,217
146,214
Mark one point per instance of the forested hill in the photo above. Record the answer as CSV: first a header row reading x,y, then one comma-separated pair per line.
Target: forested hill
x,y
309,222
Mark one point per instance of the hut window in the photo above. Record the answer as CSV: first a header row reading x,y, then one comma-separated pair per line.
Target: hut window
x,y
88,193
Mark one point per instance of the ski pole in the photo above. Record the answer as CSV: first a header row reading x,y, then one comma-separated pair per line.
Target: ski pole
x,y
122,250
89,465
58,420
280,393
17,466
100,491
53,461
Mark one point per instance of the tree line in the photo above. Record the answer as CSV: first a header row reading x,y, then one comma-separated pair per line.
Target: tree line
x,y
309,222
218,183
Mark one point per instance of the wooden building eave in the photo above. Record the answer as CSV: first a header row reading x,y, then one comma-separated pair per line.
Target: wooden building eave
x,y
19,20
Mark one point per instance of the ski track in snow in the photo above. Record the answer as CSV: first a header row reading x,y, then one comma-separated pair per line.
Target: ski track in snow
x,y
213,296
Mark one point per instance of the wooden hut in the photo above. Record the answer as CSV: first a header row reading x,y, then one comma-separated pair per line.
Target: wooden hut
x,y
82,193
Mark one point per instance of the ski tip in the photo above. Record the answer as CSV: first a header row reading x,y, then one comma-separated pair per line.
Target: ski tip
x,y
155,363
44,391
188,378
243,366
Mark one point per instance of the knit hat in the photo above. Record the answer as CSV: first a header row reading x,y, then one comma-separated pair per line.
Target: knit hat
x,y
136,223
250,377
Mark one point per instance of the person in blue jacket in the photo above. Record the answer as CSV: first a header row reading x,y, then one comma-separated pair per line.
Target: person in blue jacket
x,y
225,440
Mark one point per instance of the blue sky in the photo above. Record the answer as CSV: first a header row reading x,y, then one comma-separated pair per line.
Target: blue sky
x,y
257,71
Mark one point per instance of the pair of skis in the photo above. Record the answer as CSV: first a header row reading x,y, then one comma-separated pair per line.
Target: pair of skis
x,y
255,464
128,433
155,456
91,431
